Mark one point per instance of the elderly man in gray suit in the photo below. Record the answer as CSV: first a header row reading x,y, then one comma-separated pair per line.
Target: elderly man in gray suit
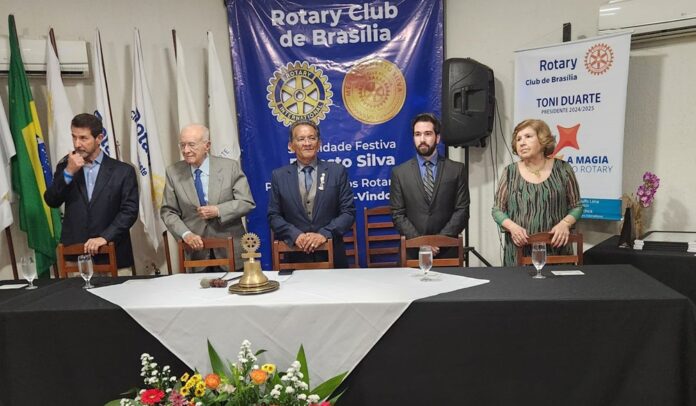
x,y
205,195
429,194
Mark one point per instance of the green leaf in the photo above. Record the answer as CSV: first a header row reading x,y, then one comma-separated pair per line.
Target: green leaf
x,y
216,362
304,368
259,352
116,402
330,385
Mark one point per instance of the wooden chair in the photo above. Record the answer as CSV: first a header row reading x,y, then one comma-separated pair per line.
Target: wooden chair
x,y
381,238
280,248
350,240
67,267
208,243
440,241
552,259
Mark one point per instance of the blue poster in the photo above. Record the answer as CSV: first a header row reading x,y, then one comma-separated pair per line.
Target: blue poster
x,y
361,71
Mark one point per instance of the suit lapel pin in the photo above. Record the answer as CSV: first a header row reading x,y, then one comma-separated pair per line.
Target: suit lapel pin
x,y
322,179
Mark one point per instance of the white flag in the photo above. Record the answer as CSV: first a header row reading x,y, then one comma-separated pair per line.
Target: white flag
x,y
186,108
59,111
102,109
145,150
7,151
221,113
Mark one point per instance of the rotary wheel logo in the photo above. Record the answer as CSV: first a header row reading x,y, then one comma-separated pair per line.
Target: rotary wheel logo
x,y
299,91
599,59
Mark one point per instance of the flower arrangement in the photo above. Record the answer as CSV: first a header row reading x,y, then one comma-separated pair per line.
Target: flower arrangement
x,y
233,384
644,197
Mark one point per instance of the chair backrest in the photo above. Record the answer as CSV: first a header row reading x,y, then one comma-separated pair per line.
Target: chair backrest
x,y
208,243
66,267
381,238
440,241
350,240
280,248
552,259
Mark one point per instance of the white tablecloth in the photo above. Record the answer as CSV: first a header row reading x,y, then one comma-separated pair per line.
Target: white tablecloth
x,y
337,315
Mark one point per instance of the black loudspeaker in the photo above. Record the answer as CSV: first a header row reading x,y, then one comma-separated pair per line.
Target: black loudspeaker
x,y
468,100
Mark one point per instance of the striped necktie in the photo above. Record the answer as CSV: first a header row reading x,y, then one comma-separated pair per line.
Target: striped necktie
x,y
428,181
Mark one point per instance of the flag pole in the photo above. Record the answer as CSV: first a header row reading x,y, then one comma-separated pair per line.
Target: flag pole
x,y
174,41
108,96
52,38
10,247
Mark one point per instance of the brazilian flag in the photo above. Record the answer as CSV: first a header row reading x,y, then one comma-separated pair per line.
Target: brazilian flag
x,y
31,169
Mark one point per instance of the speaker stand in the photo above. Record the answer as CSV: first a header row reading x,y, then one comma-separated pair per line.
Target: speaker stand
x,y
467,248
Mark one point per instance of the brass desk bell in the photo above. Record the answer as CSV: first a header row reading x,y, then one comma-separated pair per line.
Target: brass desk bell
x,y
253,281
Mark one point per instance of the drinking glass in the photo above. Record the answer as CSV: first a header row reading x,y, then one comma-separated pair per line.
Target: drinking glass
x,y
539,258
86,267
425,260
28,267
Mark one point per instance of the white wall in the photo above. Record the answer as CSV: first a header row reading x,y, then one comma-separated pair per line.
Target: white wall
x,y
659,113
661,96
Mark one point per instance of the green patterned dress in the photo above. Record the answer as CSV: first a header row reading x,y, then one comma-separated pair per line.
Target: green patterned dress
x,y
536,207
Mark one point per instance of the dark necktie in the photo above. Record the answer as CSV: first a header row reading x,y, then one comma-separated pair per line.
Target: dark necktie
x,y
307,177
428,181
199,187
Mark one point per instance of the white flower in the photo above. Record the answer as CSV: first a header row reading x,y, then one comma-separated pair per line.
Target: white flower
x,y
289,389
166,368
275,393
294,379
300,375
255,367
243,360
291,371
301,396
154,373
172,379
313,398
303,385
278,387
296,365
284,378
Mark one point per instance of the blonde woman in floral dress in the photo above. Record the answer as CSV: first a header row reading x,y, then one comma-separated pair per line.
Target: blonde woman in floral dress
x,y
536,194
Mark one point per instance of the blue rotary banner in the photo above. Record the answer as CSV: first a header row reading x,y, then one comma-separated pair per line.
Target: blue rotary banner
x,y
361,71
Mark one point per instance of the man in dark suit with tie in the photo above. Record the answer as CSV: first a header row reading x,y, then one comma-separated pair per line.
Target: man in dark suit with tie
x,y
429,194
100,193
311,200
205,196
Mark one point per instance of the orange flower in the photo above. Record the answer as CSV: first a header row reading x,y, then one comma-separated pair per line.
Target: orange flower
x,y
258,376
212,381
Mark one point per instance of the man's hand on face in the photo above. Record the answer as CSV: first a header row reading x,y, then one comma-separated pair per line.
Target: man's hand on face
x,y
75,162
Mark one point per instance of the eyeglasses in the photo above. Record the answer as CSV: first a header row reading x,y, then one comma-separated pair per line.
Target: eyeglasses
x,y
311,140
192,145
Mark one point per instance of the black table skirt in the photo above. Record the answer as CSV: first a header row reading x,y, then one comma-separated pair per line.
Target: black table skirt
x,y
612,337
675,269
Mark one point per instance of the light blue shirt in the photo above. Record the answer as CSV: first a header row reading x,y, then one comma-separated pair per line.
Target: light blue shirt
x,y
421,165
205,175
90,171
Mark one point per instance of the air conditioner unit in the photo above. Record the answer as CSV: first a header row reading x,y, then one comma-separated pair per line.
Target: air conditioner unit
x,y
648,19
72,54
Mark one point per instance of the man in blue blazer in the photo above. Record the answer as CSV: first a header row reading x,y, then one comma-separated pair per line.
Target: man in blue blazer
x,y
100,193
311,200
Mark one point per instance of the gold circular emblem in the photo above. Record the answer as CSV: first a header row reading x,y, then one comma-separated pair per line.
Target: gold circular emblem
x,y
374,91
299,91
250,242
